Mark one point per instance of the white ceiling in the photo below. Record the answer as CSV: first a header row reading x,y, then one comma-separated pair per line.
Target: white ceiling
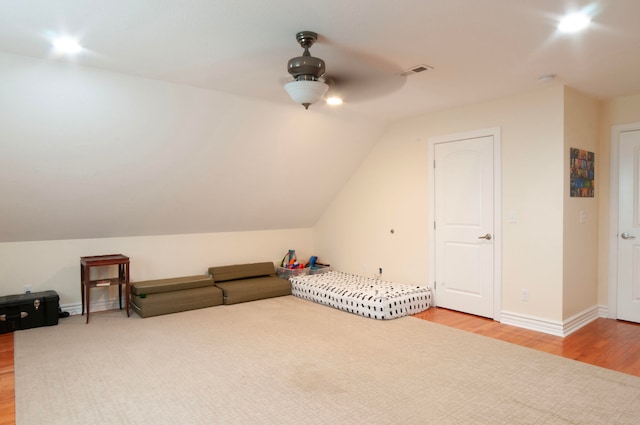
x,y
479,49
90,152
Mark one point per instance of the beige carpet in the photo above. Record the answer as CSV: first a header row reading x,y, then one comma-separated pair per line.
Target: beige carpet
x,y
290,361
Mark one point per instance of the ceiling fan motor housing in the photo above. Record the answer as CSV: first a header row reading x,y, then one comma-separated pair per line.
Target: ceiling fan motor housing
x,y
306,67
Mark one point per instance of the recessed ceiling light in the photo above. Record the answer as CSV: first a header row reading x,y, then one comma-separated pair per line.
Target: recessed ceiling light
x,y
574,22
67,45
547,78
333,100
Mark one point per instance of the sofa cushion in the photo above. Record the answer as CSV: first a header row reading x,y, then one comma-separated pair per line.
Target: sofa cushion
x,y
251,289
241,271
175,301
172,284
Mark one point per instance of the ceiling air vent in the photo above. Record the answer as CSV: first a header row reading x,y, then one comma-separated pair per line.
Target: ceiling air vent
x,y
416,69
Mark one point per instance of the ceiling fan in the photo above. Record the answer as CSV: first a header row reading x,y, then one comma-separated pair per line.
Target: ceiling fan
x,y
307,87
359,76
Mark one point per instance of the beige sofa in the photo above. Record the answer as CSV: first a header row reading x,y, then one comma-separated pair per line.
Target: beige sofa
x,y
163,296
249,282
224,285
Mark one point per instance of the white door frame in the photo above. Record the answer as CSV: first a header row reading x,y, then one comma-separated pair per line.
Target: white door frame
x,y
497,208
614,185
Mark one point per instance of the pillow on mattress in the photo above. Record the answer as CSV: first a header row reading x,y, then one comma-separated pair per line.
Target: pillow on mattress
x,y
241,271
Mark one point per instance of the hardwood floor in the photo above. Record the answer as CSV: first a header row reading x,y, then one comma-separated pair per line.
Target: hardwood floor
x,y
608,343
7,383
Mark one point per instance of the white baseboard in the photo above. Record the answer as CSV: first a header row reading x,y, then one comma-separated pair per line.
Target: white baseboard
x,y
603,311
552,327
581,319
101,305
533,323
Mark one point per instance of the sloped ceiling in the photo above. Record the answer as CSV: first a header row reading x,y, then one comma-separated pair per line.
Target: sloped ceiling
x,y
174,120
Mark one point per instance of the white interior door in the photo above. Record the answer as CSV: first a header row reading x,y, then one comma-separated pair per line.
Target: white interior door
x,y
628,299
464,225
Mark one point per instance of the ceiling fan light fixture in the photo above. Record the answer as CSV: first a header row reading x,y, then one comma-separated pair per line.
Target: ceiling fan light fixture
x,y
306,92
334,101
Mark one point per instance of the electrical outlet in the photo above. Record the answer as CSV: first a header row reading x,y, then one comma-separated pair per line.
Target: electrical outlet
x,y
27,289
525,295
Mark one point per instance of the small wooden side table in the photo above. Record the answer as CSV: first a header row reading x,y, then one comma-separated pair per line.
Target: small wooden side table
x,y
86,263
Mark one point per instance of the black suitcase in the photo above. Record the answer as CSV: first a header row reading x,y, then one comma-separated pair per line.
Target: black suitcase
x,y
26,311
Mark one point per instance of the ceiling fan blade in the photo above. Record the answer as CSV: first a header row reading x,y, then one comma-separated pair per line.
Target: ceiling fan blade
x,y
355,88
357,76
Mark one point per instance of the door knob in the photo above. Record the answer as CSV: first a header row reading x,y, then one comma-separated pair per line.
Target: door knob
x,y
627,235
487,237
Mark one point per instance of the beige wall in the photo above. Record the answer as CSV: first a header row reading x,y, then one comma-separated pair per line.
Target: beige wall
x,y
621,110
543,252
580,244
55,265
87,153
390,191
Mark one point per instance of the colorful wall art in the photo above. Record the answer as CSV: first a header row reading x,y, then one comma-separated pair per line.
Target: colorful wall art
x,y
582,171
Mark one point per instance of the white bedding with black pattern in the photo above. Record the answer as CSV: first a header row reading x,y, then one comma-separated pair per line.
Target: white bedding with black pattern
x,y
374,298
